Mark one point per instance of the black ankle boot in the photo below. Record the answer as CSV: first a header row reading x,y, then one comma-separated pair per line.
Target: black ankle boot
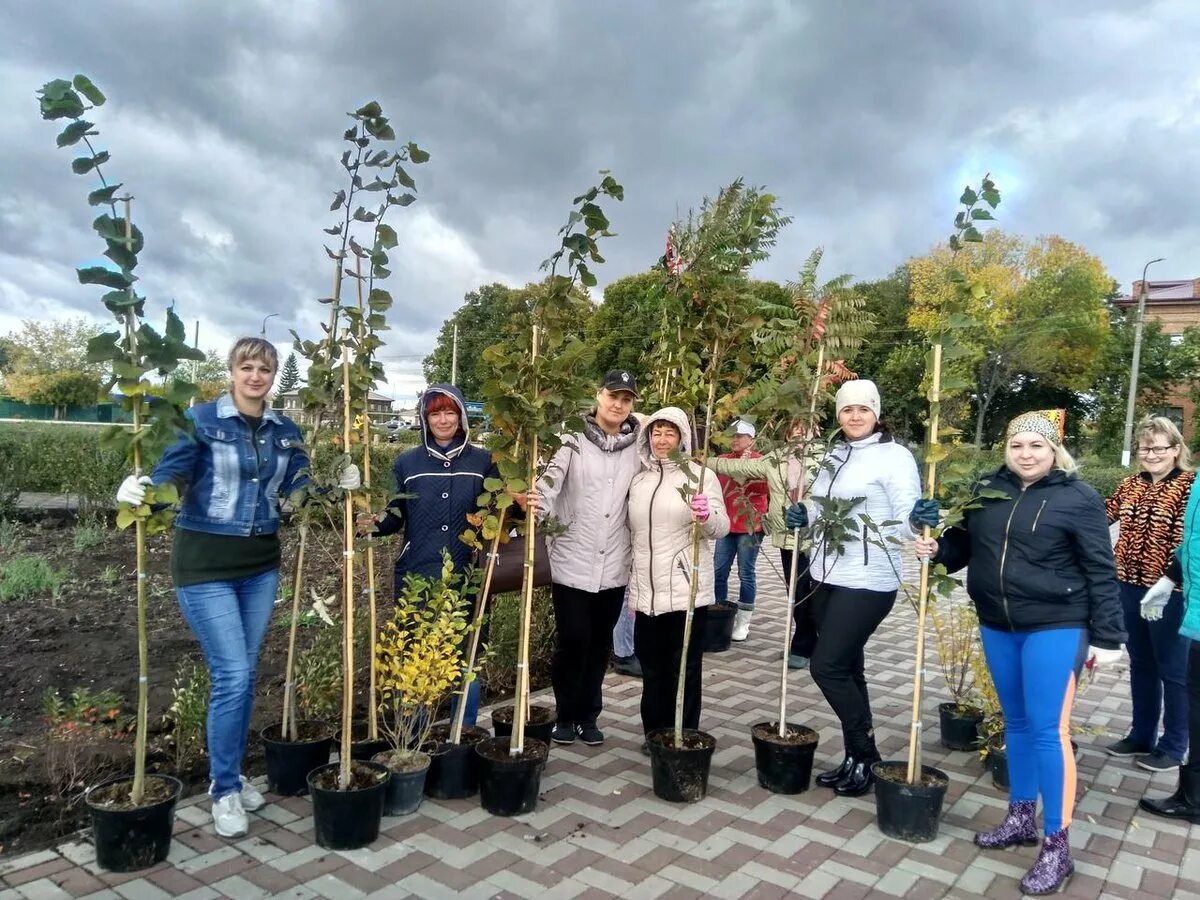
x,y
858,780
833,776
1183,804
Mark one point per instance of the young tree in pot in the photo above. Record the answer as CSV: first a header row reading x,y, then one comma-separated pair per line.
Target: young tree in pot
x,y
798,343
418,662
908,795
534,396
132,818
956,627
709,299
294,748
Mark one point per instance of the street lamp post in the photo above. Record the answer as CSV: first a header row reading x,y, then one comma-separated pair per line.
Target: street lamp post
x,y
263,331
1137,360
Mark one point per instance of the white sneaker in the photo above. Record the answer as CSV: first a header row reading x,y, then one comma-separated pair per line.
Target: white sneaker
x,y
229,818
252,798
741,624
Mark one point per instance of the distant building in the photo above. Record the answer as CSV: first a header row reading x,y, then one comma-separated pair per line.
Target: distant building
x,y
1176,305
379,406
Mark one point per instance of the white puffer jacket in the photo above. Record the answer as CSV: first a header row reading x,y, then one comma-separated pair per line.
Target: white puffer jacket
x,y
885,475
586,487
660,524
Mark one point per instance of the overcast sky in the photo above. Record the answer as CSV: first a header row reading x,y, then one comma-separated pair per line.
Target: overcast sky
x,y
865,118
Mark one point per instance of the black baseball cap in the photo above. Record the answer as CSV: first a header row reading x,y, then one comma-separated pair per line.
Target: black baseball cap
x,y
621,380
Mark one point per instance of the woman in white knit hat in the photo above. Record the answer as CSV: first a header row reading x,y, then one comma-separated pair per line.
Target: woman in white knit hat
x,y
857,570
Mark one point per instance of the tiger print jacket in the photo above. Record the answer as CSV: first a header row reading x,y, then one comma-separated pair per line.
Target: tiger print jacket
x,y
1151,516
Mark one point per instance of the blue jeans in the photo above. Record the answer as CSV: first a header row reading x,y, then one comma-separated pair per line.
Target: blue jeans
x,y
623,630
1158,658
1035,673
230,620
745,548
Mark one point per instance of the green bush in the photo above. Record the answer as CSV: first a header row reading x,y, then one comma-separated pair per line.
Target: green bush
x,y
27,577
1103,478
498,675
59,459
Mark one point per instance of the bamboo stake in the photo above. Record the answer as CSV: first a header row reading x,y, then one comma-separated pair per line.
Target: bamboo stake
x,y
288,729
348,584
694,583
138,790
914,740
372,688
476,624
521,701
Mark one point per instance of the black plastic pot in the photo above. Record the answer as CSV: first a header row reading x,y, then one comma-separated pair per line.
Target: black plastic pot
x,y
997,762
508,786
680,774
960,728
289,762
454,768
405,790
718,627
361,747
131,839
348,820
908,812
539,726
784,767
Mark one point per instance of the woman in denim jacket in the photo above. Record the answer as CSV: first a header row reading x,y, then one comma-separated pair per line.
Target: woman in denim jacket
x,y
232,471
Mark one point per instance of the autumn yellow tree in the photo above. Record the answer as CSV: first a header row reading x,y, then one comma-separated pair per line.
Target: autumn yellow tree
x,y
1038,310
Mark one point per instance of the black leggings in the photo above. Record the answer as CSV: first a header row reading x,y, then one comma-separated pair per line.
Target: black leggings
x,y
658,642
846,618
584,622
804,637
1193,688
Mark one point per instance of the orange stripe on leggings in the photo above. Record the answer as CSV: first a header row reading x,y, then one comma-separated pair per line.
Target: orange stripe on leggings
x,y
1064,740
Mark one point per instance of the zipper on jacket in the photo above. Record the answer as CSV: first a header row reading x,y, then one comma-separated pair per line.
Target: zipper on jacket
x,y
1038,516
866,549
1004,556
650,532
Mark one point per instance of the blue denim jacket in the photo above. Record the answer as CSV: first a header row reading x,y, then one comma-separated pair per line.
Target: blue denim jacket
x,y
223,490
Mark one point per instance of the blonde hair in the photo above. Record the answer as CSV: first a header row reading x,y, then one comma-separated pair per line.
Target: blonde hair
x,y
253,348
1062,457
1152,425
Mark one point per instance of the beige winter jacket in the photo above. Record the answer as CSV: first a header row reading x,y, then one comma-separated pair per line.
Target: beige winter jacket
x,y
586,487
660,525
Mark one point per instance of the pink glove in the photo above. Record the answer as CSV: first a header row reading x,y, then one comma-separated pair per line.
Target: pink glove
x,y
700,507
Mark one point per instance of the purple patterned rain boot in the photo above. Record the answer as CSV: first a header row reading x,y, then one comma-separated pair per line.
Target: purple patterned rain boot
x,y
1018,828
1053,866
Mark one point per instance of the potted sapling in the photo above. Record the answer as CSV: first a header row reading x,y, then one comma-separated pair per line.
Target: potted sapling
x,y
909,795
132,817
955,627
534,395
418,661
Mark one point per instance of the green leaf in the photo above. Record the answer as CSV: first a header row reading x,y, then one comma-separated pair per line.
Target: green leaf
x,y
493,484
586,278
338,199
404,178
416,154
371,110
981,214
968,197
385,237
404,200
175,328
81,165
84,85
103,195
119,302
104,347
972,235
56,89
379,300
113,230
73,133
363,215
104,276
124,258
383,132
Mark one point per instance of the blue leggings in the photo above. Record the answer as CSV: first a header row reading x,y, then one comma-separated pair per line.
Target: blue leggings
x,y
1035,673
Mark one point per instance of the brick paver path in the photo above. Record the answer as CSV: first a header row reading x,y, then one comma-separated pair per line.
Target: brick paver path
x,y
599,831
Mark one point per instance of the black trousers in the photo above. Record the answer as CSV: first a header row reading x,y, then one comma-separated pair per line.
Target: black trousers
x,y
804,637
846,618
584,621
658,643
1193,689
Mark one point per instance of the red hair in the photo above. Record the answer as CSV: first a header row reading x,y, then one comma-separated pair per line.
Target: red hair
x,y
440,401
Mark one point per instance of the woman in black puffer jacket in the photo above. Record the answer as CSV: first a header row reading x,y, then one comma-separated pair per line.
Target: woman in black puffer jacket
x,y
1044,585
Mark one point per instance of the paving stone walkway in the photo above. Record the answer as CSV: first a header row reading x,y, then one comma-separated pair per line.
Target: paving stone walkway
x,y
600,832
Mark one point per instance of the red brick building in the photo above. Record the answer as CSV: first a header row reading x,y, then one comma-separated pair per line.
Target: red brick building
x,y
1176,304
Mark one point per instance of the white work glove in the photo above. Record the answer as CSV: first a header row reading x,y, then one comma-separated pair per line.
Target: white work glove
x,y
1155,599
1101,657
133,490
350,479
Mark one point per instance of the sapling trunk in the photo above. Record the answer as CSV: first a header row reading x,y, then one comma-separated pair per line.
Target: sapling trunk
x,y
347,582
288,729
914,740
476,624
372,713
694,581
139,529
792,576
521,700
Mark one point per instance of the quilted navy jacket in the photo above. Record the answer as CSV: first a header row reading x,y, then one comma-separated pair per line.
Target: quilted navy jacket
x,y
438,488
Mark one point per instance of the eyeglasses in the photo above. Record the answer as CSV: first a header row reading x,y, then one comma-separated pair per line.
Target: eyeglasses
x,y
1155,451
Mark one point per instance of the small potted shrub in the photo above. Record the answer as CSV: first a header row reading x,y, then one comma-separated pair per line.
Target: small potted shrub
x,y
957,640
417,663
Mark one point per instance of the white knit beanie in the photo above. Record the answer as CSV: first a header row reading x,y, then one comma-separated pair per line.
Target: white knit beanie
x,y
860,392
